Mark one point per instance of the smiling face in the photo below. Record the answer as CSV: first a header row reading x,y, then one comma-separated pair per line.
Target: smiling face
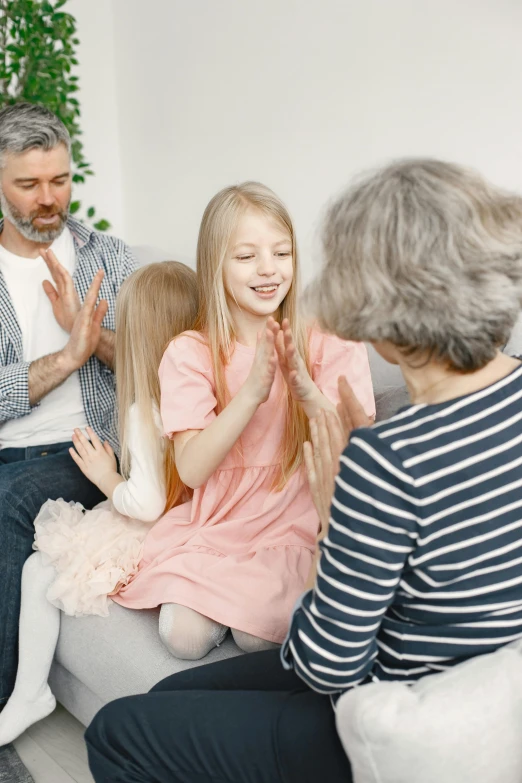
x,y
35,191
258,268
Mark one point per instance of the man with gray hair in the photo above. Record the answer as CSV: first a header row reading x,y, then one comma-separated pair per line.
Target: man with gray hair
x,y
55,357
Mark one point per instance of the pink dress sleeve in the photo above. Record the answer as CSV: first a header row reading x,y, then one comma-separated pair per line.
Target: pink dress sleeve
x,y
186,383
331,357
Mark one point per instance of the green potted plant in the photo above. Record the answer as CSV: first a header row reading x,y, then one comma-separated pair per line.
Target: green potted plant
x,y
37,58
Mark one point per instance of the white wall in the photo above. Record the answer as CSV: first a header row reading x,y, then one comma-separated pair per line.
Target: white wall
x,y
182,97
99,121
300,94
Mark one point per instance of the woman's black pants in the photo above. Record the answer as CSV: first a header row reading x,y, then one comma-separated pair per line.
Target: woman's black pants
x,y
243,720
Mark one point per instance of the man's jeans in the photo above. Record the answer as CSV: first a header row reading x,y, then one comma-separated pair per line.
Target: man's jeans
x,y
28,477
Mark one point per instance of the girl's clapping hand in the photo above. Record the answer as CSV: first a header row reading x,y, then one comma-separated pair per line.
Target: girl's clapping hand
x,y
261,376
293,367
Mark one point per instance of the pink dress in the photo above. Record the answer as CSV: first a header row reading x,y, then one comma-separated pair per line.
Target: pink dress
x,y
238,552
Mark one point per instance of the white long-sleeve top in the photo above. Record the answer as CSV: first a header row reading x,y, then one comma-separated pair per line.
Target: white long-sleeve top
x,y
143,495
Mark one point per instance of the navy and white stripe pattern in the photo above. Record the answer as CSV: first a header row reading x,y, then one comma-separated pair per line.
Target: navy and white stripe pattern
x,y
94,251
422,565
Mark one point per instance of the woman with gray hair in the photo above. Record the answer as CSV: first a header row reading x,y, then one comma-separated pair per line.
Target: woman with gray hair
x,y
419,559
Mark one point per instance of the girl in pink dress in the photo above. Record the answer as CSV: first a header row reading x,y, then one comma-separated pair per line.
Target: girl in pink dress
x,y
236,398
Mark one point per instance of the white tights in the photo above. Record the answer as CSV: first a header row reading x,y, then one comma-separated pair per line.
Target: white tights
x,y
31,699
189,635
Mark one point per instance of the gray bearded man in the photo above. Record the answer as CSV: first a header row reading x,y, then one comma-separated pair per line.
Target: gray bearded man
x,y
58,284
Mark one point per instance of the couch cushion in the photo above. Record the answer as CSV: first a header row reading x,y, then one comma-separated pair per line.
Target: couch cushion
x,y
461,726
122,654
389,399
75,696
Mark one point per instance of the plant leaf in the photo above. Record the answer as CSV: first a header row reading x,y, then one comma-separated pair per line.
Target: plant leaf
x,y
38,54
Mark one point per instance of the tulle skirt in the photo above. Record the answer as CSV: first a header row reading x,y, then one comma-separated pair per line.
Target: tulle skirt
x,y
95,553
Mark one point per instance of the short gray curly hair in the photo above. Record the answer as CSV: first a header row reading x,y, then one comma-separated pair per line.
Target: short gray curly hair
x,y
24,126
426,255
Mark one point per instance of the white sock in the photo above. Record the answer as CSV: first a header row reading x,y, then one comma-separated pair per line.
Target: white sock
x,y
187,634
31,699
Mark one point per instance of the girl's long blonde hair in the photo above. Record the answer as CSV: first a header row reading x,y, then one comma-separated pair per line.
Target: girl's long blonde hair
x,y
154,305
214,320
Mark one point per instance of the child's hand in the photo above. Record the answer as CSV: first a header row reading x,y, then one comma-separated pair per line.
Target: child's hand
x,y
261,376
293,367
96,461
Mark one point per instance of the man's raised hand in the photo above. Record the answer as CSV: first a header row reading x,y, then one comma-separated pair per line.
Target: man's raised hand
x,y
86,330
62,295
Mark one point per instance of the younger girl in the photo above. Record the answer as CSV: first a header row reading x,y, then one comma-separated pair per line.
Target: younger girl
x,y
85,556
236,396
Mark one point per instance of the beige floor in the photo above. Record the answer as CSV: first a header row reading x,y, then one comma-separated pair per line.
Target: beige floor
x,y
54,751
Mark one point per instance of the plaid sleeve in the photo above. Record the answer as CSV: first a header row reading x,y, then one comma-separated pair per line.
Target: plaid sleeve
x,y
14,391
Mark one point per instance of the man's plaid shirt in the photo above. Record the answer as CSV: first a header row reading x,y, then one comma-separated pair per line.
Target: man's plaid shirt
x,y
94,251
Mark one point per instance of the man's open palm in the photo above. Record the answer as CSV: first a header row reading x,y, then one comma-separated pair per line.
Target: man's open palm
x,y
64,298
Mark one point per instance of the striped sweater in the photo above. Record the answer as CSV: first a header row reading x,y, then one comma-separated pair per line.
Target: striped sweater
x,y
422,565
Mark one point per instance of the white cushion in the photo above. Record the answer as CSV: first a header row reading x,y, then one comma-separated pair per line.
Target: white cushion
x,y
460,726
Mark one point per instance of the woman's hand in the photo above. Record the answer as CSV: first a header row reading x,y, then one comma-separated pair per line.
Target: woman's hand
x,y
261,376
297,377
330,434
350,411
322,462
96,461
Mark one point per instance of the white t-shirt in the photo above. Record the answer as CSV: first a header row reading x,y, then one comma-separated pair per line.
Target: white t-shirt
x,y
61,410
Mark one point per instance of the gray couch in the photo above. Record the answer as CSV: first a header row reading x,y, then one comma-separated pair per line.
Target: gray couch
x,y
101,659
